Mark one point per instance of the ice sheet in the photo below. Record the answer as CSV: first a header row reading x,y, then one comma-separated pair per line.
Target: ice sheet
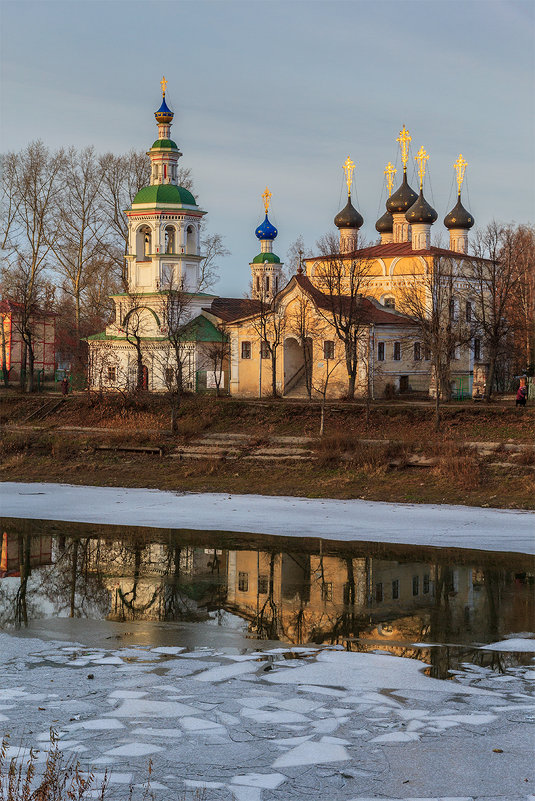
x,y
350,520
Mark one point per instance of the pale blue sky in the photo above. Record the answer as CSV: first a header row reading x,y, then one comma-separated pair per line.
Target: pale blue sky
x,y
279,93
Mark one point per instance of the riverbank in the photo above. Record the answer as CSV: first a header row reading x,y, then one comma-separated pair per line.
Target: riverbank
x,y
483,457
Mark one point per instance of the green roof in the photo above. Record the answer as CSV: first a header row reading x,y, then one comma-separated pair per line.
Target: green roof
x,y
164,193
164,144
200,329
269,257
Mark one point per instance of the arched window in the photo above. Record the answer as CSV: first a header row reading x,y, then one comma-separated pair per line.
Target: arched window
x,y
143,243
191,244
390,302
169,239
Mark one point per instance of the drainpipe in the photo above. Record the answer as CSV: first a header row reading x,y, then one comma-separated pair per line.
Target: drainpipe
x,y
371,359
260,369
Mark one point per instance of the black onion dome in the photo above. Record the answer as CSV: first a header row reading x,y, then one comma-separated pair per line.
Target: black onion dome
x,y
459,217
402,199
385,224
348,217
421,211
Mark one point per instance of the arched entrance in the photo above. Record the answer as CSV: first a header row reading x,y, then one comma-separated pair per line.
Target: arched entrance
x,y
294,364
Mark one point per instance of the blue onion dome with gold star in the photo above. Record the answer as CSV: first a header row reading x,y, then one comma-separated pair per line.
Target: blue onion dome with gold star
x,y
459,217
266,230
421,211
385,224
164,115
403,198
349,217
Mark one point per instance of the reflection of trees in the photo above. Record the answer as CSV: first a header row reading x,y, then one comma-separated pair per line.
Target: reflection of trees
x,y
267,623
70,584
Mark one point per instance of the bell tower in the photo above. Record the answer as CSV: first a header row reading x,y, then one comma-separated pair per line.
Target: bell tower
x,y
266,268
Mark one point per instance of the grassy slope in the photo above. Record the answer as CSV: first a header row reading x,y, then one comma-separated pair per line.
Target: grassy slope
x,y
344,469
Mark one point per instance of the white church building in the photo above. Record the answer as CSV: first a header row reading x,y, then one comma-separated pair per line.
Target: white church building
x,y
162,272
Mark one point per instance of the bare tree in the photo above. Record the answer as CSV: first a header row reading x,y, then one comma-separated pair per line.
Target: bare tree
x,y
434,301
496,277
344,281
522,305
176,353
212,249
216,357
270,325
81,226
135,329
34,176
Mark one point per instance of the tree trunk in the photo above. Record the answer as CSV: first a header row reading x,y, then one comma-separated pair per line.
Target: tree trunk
x,y
23,366
74,568
174,417
322,416
490,376
274,373
351,385
5,371
31,361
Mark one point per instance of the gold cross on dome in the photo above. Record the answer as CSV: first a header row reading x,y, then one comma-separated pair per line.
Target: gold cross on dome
x,y
390,172
422,158
460,166
266,197
163,84
348,168
404,140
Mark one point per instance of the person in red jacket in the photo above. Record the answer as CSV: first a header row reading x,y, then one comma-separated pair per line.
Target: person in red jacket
x,y
521,396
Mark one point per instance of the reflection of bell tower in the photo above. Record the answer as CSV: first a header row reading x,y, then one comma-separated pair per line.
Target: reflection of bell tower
x,y
266,268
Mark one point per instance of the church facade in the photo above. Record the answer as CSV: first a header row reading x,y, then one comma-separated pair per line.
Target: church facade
x,y
345,323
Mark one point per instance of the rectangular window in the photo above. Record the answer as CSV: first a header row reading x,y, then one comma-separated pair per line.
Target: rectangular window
x,y
328,349
415,585
477,349
380,351
243,582
390,303
246,350
468,311
425,584
327,591
427,353
379,592
397,351
263,584
264,350
417,352
395,589
112,374
169,376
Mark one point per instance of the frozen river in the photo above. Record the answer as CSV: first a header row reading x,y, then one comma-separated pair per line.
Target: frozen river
x,y
269,648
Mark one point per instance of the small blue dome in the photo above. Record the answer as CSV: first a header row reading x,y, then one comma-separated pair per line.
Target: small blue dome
x,y
164,113
266,230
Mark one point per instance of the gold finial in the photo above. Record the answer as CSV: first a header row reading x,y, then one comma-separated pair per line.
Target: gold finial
x,y
422,158
348,167
390,172
404,140
460,166
266,197
163,84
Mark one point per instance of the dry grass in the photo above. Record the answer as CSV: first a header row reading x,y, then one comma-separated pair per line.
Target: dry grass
x,y
526,457
62,779
461,470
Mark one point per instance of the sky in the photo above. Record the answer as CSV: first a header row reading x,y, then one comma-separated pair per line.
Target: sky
x,y
279,94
